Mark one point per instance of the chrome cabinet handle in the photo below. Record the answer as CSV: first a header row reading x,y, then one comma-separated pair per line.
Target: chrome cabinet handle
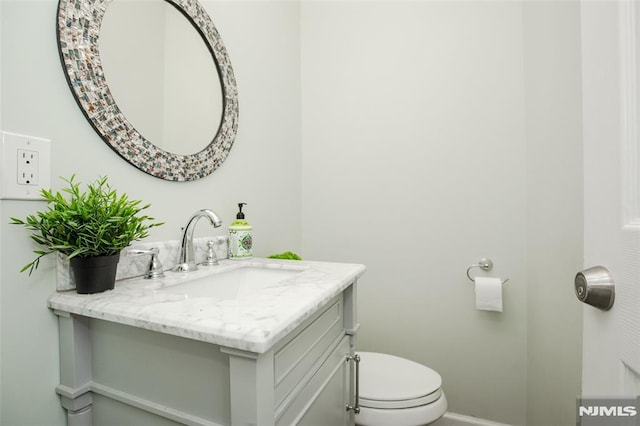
x,y
356,407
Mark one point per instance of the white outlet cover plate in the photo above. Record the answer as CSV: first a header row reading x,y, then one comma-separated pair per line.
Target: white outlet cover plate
x,y
10,189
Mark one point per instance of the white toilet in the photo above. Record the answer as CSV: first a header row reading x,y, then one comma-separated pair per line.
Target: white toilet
x,y
398,392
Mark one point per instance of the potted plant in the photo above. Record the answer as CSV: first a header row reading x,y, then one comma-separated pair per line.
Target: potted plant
x,y
90,228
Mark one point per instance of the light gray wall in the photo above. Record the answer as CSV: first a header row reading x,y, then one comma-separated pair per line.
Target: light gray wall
x,y
263,169
554,209
420,157
29,353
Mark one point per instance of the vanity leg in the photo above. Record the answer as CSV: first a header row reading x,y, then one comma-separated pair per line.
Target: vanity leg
x,y
251,386
75,369
80,418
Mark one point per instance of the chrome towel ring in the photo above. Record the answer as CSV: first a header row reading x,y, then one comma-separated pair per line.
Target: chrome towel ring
x,y
486,265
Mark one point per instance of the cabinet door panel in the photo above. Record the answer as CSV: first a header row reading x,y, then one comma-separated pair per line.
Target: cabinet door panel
x,y
323,400
329,408
298,358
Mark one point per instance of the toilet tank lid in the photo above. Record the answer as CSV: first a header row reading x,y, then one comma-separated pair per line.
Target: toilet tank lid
x,y
385,377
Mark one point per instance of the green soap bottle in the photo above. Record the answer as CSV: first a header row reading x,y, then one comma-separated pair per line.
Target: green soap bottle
x,y
240,238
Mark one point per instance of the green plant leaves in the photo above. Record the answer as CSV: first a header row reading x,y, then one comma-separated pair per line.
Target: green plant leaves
x,y
96,222
286,255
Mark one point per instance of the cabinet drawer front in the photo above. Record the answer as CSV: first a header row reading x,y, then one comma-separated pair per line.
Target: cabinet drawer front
x,y
304,354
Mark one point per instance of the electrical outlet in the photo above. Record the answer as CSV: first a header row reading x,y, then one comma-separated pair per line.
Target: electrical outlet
x,y
26,166
27,173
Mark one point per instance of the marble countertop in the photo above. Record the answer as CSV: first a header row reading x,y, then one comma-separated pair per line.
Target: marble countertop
x,y
253,322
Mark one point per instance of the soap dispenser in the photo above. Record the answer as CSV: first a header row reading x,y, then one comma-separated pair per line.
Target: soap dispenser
x,y
240,239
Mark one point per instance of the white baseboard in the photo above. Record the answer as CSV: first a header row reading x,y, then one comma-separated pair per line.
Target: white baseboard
x,y
461,420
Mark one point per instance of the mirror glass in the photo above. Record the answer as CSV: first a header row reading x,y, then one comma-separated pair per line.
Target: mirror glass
x,y
164,79
156,82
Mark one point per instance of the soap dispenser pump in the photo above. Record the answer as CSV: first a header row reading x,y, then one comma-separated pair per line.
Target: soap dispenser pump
x,y
240,238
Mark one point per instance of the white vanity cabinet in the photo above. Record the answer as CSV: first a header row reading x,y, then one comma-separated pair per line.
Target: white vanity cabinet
x,y
117,374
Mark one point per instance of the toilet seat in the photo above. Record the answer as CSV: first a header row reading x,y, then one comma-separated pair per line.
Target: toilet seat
x,y
391,382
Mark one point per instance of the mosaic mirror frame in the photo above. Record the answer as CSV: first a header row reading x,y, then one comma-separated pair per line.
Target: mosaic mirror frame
x,y
78,31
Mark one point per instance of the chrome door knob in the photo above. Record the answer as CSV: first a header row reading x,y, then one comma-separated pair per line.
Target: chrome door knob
x,y
594,286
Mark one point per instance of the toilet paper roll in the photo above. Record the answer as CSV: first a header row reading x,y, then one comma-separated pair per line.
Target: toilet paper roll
x,y
488,294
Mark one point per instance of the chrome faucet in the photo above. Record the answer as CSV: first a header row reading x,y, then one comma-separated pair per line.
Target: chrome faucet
x,y
186,258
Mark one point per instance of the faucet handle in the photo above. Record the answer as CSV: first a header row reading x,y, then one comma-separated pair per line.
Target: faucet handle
x,y
154,269
212,259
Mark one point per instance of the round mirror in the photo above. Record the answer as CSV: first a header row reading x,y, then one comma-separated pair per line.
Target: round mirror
x,y
164,78
154,80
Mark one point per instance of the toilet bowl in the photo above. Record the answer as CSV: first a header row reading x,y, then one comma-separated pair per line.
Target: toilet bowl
x,y
398,392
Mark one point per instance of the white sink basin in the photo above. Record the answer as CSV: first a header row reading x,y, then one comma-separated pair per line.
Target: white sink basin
x,y
231,284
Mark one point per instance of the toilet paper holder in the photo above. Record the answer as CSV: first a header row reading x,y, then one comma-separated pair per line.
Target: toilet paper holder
x,y
486,265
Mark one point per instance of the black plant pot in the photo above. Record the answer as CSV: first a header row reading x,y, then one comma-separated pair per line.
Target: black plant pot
x,y
94,274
